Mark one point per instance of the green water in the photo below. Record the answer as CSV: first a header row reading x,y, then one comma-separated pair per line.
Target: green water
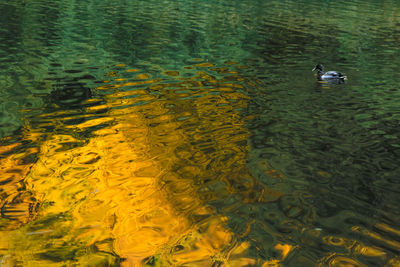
x,y
232,80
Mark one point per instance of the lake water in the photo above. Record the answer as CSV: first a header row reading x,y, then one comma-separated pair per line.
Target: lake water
x,y
193,133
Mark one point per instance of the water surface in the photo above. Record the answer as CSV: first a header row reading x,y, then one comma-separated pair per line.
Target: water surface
x,y
193,133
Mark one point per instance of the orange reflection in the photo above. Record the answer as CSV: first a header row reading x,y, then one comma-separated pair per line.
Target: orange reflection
x,y
139,188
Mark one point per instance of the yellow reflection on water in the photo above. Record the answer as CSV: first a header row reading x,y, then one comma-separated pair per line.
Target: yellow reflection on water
x,y
137,191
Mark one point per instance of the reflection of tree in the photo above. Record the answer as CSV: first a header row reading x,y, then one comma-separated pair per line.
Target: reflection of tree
x,y
189,134
143,188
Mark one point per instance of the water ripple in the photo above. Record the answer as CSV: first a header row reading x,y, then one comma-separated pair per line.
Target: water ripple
x,y
193,133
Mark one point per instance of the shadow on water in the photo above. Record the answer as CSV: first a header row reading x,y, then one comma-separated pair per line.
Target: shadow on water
x,y
70,93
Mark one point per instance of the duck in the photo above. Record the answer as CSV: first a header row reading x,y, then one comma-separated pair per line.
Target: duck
x,y
329,76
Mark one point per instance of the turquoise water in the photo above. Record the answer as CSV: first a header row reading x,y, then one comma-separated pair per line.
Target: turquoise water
x,y
219,94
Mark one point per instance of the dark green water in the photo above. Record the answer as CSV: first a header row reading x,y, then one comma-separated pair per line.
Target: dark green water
x,y
331,151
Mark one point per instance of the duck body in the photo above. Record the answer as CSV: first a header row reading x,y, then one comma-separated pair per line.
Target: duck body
x,y
329,76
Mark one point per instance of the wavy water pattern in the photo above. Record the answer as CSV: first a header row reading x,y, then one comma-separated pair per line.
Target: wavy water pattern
x,y
193,133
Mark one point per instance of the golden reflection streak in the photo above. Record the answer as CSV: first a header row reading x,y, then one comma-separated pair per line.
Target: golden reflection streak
x,y
387,228
391,243
135,184
149,232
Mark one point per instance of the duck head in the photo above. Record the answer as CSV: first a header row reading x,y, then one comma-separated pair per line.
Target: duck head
x,y
318,68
